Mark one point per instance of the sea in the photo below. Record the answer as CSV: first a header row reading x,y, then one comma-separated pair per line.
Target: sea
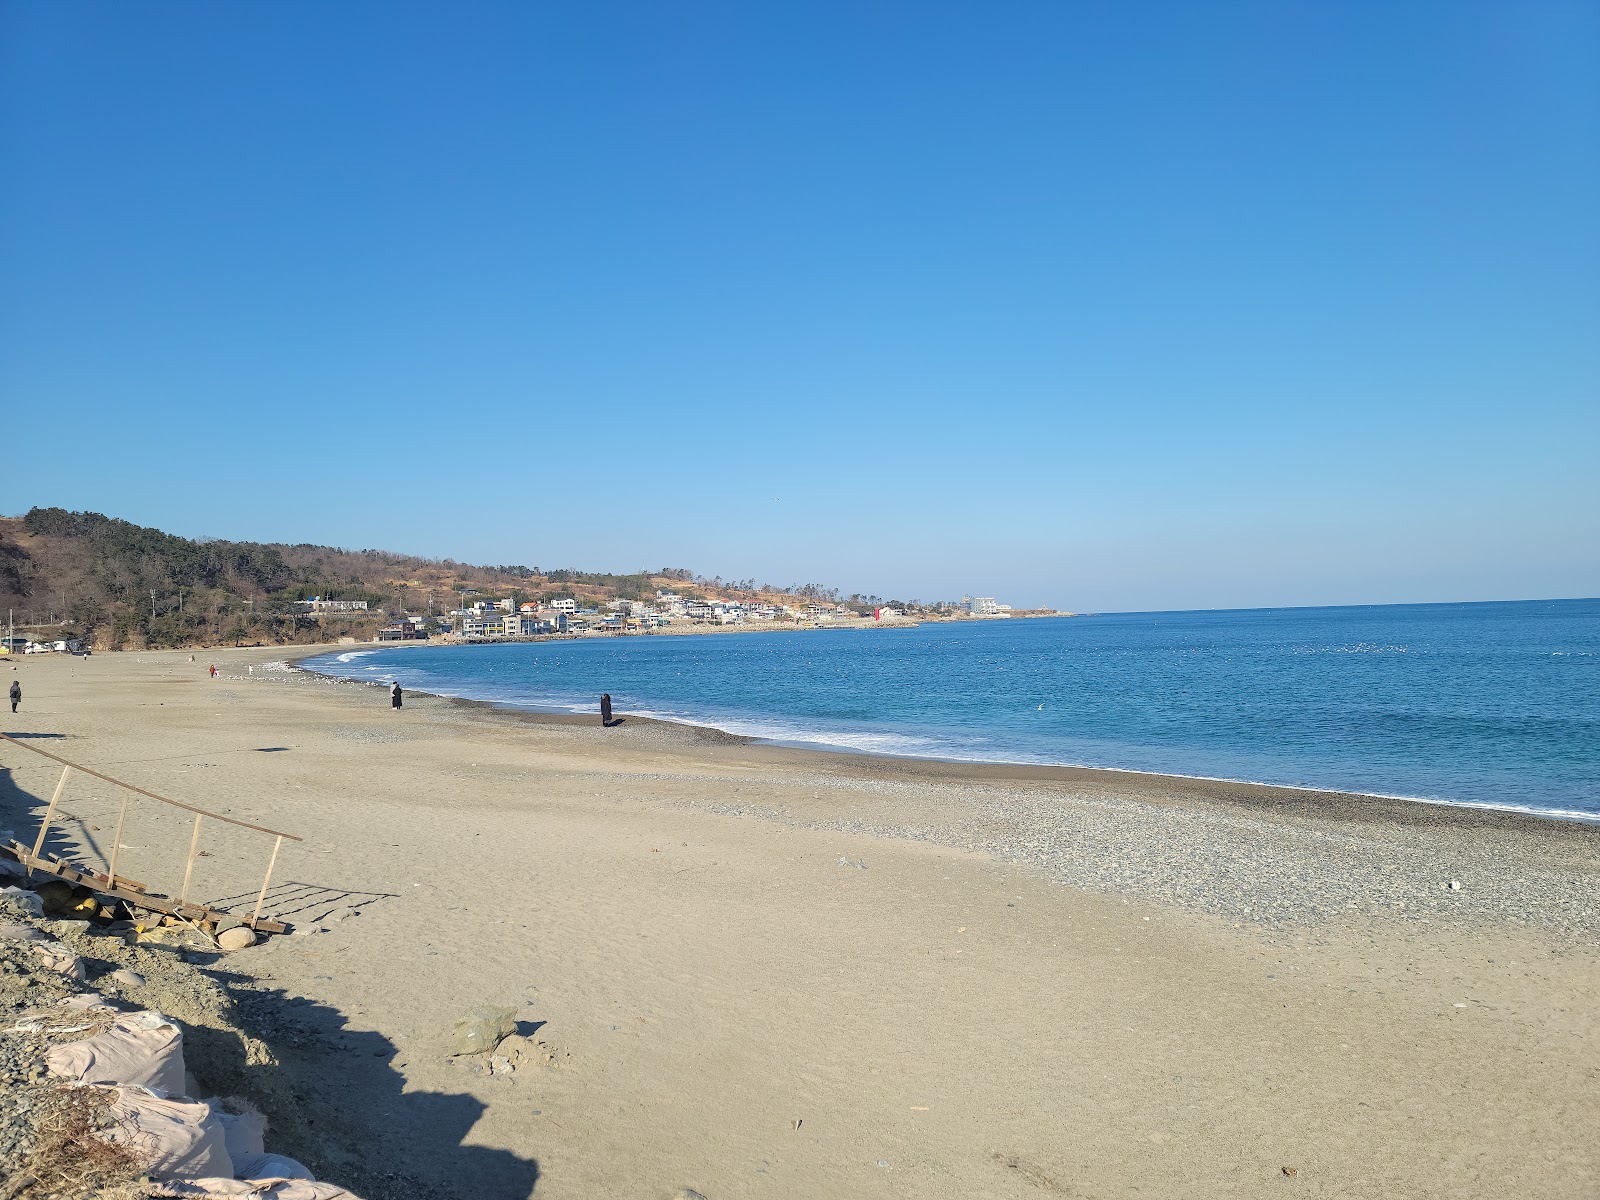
x,y
1486,705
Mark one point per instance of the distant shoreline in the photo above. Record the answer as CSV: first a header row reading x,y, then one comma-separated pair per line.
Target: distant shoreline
x,y
1248,793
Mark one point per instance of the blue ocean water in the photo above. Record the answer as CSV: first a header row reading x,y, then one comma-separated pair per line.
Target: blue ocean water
x,y
1485,704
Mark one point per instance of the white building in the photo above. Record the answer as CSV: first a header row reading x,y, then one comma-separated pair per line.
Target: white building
x,y
565,605
985,606
318,604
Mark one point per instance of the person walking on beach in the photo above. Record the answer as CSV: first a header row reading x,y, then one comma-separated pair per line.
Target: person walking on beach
x,y
213,670
395,695
605,709
16,694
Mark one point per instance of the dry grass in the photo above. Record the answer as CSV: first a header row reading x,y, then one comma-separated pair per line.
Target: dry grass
x,y
68,1157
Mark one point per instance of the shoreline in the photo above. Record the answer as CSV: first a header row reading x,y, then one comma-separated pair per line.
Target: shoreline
x,y
1241,791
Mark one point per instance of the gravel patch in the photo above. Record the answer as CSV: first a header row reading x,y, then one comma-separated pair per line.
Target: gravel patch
x,y
1269,869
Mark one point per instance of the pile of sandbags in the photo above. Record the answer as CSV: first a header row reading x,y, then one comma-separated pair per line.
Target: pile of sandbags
x,y
192,1148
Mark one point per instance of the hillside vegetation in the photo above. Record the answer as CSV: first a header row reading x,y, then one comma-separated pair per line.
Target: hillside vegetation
x,y
117,585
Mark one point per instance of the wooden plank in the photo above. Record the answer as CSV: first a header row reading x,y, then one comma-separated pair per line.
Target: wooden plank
x,y
116,842
49,813
265,880
194,848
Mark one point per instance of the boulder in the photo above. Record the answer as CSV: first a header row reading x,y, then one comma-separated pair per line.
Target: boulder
x,y
237,938
482,1029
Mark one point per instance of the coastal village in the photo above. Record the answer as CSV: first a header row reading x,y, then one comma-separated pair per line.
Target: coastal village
x,y
507,619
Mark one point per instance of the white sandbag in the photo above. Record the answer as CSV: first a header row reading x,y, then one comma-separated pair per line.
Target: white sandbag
x,y
56,957
86,1002
307,1189
142,1048
272,1168
246,1134
175,1138
205,1189
226,1189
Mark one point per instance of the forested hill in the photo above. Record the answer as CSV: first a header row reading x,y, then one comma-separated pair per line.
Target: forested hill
x,y
124,585
119,585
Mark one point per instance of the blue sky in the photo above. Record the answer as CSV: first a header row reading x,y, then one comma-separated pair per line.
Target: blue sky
x,y
1103,306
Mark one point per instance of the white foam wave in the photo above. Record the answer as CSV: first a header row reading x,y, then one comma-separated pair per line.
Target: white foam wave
x,y
794,734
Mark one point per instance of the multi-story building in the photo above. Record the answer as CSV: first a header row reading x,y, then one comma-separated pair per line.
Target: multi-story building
x,y
401,631
318,604
985,606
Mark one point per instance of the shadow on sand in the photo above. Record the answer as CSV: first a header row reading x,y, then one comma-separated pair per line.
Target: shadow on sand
x,y
337,1102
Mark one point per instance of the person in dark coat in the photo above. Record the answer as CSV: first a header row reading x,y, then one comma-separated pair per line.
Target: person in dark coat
x,y
605,709
395,695
16,694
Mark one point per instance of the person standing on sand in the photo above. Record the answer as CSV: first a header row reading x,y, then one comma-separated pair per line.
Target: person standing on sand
x,y
16,694
213,670
395,695
605,709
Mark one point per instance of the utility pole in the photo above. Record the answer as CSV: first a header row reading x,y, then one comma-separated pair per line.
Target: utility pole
x,y
152,604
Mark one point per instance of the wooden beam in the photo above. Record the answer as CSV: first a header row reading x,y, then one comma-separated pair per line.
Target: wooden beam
x,y
116,842
49,814
265,880
188,867
79,767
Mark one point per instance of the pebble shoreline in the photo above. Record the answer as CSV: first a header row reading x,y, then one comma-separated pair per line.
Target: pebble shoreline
x,y
1240,861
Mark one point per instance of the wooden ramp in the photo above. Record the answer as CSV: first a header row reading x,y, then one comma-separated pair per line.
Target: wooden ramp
x,y
130,891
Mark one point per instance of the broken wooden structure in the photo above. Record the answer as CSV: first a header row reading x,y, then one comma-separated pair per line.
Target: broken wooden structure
x,y
130,891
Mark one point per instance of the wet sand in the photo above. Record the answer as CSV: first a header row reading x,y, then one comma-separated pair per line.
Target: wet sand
x,y
771,972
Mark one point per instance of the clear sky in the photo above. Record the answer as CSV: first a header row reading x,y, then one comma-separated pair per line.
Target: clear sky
x,y
1096,305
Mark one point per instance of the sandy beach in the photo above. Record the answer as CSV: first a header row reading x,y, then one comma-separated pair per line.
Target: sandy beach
x,y
754,971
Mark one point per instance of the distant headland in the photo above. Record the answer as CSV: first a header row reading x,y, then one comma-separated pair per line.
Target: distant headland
x,y
82,580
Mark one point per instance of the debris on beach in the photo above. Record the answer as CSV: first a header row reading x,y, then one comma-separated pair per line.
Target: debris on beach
x,y
482,1030
96,1097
